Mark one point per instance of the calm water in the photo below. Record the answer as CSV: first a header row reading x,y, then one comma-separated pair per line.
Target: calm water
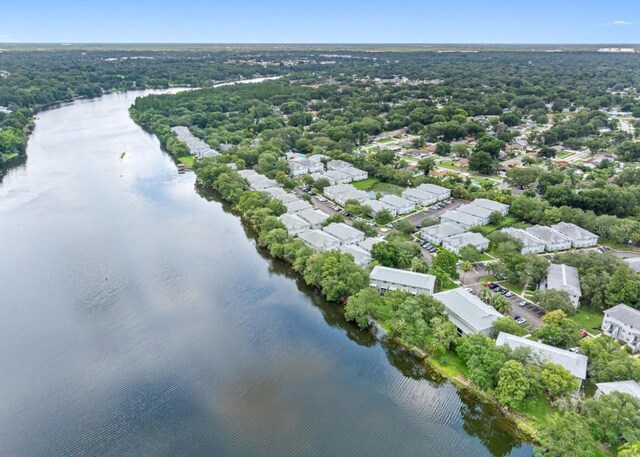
x,y
139,319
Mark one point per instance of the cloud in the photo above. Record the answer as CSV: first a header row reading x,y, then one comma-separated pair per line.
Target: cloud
x,y
620,22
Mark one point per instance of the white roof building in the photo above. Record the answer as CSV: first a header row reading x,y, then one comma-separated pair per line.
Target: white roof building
x,y
297,205
530,243
634,263
196,146
437,233
360,256
337,164
464,220
344,233
553,241
319,240
456,242
377,206
492,205
337,177
368,243
294,224
280,194
402,205
574,363
467,312
318,157
314,217
564,277
580,238
622,323
355,173
481,213
385,279
420,197
442,192
626,387
256,180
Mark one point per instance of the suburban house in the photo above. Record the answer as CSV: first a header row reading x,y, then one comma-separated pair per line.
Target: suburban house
x,y
456,242
360,256
280,194
319,240
368,243
377,206
294,224
344,233
196,146
464,220
564,277
385,279
553,241
491,205
626,387
256,180
481,213
402,205
574,363
467,312
341,193
298,168
580,238
314,217
530,243
334,190
622,323
338,165
420,197
337,177
297,205
355,173
437,233
442,193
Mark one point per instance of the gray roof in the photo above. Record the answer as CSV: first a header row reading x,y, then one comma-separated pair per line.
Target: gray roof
x,y
368,243
564,277
474,210
352,171
463,218
419,193
361,256
574,363
406,278
572,231
490,204
525,237
634,263
434,189
336,175
626,314
339,189
626,387
547,234
342,231
297,205
463,239
472,313
338,164
280,194
318,238
196,145
292,222
318,157
396,201
313,216
377,205
444,230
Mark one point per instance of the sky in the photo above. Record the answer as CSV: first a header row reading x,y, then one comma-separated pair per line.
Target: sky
x,y
320,21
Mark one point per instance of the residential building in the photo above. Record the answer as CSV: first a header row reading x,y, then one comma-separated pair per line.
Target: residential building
x,y
368,243
377,206
318,157
626,387
337,177
294,224
437,233
564,277
456,242
297,205
467,312
360,256
481,213
314,217
530,243
634,263
442,192
355,173
358,195
333,191
574,363
385,279
344,233
280,194
337,165
491,205
464,220
402,205
553,241
297,168
256,180
420,197
319,240
196,146
580,238
622,323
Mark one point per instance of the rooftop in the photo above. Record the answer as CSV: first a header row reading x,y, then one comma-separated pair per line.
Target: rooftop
x,y
626,314
572,231
474,210
313,216
432,188
361,256
469,309
564,277
342,231
525,237
396,201
418,193
463,218
466,238
625,387
368,243
339,188
575,363
490,204
547,234
292,222
318,238
444,230
406,278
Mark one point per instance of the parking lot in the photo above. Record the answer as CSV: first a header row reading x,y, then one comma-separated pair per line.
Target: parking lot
x,y
433,212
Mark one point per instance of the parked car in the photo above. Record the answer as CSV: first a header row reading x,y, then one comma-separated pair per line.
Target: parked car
x,y
509,294
572,349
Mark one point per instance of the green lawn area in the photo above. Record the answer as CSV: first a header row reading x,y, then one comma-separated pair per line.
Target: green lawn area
x,y
588,319
451,164
450,363
486,229
366,184
537,408
563,154
512,286
485,256
618,246
387,188
187,161
384,140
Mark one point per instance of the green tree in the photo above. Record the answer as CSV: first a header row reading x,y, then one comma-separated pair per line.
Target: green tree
x,y
500,303
482,162
469,253
558,330
557,381
385,254
360,306
614,419
551,300
507,324
447,262
383,217
496,218
336,274
513,384
443,149
427,165
522,177
565,434
629,449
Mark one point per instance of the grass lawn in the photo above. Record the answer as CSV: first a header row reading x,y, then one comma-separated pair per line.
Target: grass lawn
x,y
450,363
187,161
563,154
588,319
365,184
384,140
512,286
485,256
618,246
486,229
387,188
451,165
537,408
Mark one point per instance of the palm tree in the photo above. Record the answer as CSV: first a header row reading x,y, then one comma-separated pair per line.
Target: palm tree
x,y
466,267
485,294
500,303
404,259
419,265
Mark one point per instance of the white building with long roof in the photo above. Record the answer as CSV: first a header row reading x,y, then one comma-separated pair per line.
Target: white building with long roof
x,y
564,277
467,312
385,279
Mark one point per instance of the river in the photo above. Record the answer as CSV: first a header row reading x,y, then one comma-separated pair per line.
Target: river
x,y
138,318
